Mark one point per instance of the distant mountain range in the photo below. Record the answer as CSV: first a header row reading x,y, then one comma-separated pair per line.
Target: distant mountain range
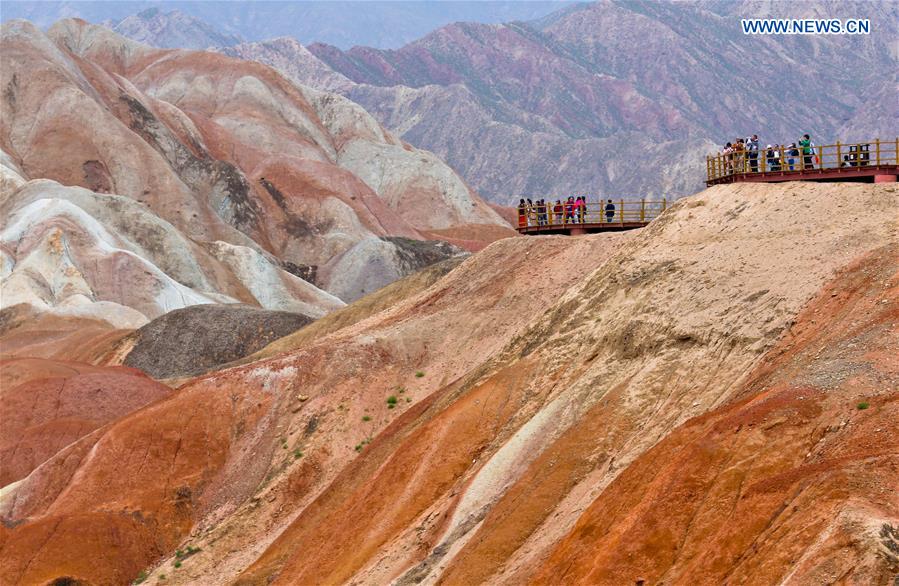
x,y
172,29
376,23
619,96
611,97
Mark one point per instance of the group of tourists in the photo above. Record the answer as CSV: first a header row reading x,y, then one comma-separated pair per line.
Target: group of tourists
x,y
742,155
546,213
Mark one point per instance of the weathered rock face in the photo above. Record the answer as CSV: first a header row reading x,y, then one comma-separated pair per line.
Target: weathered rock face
x,y
576,101
77,253
588,407
196,178
195,339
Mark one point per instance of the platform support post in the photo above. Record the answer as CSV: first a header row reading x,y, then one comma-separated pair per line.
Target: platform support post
x,y
877,149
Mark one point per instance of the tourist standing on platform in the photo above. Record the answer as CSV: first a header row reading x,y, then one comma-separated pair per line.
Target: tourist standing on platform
x,y
771,160
569,210
558,211
808,149
522,214
739,156
793,155
728,158
610,211
531,213
752,147
583,209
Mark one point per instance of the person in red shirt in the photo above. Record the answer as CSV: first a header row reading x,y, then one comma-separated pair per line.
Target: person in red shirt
x,y
569,210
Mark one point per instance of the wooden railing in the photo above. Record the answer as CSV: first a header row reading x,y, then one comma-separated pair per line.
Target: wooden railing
x,y
785,159
597,211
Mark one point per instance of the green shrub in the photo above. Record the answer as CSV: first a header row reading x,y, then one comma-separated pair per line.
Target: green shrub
x,y
366,418
391,400
141,578
419,374
297,454
863,405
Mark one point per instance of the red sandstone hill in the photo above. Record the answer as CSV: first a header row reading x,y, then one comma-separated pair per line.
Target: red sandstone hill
x,y
707,400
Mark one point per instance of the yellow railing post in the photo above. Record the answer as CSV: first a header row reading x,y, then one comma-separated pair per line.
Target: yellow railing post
x,y
839,156
877,149
663,204
642,210
621,211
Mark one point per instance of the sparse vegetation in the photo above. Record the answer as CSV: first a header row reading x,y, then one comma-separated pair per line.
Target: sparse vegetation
x,y
419,374
366,418
141,578
358,447
161,577
392,400
408,399
297,454
181,554
863,405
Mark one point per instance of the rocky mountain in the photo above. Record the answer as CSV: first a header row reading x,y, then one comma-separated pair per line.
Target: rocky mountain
x,y
344,23
576,101
172,29
136,181
592,410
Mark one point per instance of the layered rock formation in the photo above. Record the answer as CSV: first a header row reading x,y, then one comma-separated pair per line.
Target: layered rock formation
x,y
592,410
577,101
136,181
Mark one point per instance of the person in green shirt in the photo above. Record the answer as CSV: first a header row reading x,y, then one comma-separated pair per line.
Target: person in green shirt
x,y
808,150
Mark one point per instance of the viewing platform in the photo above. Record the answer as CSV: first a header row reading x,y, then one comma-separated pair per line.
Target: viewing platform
x,y
597,216
867,162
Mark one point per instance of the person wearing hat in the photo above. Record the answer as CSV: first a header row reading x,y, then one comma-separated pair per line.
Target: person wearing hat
x,y
769,158
752,151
